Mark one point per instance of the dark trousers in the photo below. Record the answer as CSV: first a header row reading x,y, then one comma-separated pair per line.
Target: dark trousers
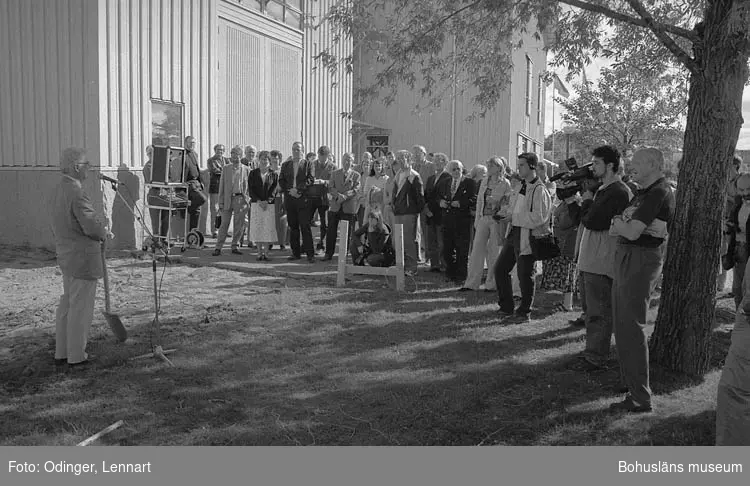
x,y
435,248
510,257
456,242
637,269
195,216
317,206
598,295
333,229
298,217
159,221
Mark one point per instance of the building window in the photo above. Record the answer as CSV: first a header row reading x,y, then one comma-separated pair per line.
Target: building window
x,y
166,123
539,101
529,84
287,11
377,145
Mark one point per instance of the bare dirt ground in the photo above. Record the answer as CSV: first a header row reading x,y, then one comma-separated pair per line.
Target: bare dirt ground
x,y
275,354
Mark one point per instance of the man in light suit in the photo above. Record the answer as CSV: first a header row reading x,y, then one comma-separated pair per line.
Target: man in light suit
x,y
343,188
234,200
79,232
296,176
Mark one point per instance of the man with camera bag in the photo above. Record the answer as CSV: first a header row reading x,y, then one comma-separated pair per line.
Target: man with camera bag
x,y
596,253
529,214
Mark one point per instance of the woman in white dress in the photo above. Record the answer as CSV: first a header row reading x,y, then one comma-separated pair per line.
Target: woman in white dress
x,y
375,187
262,183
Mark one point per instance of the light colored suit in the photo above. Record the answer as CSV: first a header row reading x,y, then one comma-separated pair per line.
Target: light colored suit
x,y
233,207
347,187
78,232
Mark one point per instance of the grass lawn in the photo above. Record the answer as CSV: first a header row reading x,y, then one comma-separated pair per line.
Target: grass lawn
x,y
264,360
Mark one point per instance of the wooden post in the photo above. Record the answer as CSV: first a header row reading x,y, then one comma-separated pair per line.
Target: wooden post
x,y
399,247
343,251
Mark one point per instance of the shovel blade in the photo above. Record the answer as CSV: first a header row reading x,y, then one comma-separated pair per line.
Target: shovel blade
x,y
118,328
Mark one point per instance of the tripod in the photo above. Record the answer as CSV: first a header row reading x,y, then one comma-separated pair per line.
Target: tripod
x,y
155,244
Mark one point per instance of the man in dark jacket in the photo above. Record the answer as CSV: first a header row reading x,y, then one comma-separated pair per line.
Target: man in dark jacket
x,y
193,178
738,225
408,202
596,255
458,196
434,214
295,177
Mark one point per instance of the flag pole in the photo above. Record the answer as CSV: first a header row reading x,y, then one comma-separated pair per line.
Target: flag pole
x,y
553,121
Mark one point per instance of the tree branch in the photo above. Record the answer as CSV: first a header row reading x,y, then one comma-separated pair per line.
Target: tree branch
x,y
659,32
672,29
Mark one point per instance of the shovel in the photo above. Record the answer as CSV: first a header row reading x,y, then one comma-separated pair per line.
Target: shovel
x,y
118,329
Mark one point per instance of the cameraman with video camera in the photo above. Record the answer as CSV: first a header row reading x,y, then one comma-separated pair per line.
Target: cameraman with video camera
x,y
596,254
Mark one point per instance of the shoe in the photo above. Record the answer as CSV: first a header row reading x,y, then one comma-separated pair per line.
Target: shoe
x,y
504,314
519,318
464,289
319,247
259,258
61,361
311,259
80,364
630,406
584,363
435,270
216,252
294,257
580,322
328,258
213,235
235,251
622,389
490,290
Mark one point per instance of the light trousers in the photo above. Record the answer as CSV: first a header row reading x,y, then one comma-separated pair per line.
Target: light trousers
x,y
484,251
73,320
213,205
238,212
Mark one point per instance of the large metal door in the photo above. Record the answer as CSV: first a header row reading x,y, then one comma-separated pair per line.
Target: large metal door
x,y
259,89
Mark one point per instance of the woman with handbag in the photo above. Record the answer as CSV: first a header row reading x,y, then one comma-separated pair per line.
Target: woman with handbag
x,y
560,273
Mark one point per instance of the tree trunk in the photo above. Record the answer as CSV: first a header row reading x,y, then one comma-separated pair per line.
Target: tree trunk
x,y
681,338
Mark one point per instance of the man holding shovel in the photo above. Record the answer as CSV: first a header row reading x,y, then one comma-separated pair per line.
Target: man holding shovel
x,y
79,232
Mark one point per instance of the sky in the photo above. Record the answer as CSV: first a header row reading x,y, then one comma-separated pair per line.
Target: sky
x,y
592,74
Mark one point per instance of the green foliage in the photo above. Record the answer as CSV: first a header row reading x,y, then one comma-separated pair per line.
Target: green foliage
x,y
438,46
630,106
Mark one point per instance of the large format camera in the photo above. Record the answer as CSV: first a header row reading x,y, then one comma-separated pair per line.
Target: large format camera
x,y
583,176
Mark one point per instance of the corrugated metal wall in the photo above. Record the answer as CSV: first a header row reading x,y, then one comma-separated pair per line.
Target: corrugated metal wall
x,y
325,97
154,49
48,80
259,80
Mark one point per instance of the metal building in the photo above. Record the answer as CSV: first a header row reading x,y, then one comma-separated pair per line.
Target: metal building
x,y
516,125
116,75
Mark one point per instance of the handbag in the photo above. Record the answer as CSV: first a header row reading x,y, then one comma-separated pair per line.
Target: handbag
x,y
544,247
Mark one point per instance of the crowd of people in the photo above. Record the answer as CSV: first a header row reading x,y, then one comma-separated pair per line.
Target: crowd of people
x,y
608,234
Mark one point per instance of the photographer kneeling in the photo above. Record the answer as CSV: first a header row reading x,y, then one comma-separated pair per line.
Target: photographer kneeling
x,y
596,256
377,247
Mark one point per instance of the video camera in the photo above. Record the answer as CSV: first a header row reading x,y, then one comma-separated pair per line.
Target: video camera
x,y
575,174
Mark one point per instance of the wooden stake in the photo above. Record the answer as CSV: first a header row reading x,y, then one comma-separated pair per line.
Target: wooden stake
x,y
101,433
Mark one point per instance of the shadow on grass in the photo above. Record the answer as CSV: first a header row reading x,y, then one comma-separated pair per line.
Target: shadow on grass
x,y
398,369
